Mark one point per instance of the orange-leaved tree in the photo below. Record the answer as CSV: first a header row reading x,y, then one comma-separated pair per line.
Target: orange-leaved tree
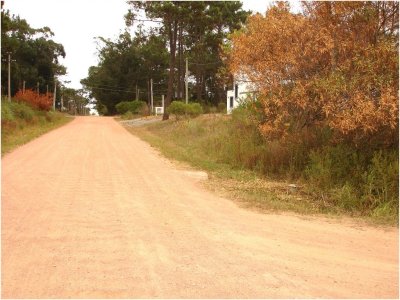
x,y
335,64
39,101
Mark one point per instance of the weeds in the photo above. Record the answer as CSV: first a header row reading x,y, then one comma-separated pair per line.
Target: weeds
x,y
22,123
334,178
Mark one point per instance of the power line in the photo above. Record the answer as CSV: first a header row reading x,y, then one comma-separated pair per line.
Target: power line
x,y
147,20
205,64
107,89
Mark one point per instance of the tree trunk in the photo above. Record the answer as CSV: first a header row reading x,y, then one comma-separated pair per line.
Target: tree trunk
x,y
180,63
198,83
183,67
172,34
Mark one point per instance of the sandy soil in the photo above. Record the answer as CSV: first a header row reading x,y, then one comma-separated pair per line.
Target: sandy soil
x,y
89,210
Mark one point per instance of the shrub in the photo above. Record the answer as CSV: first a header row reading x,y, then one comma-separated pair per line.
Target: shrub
x,y
381,181
178,108
14,110
193,109
39,101
132,106
6,112
127,116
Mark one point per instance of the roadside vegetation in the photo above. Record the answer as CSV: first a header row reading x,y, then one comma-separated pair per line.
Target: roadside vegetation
x,y
322,113
329,179
22,121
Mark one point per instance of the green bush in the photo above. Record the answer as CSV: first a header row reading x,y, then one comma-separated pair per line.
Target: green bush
x,y
128,116
7,114
20,111
193,109
381,181
179,109
132,106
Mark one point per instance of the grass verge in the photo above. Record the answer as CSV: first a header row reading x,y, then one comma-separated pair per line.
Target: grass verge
x,y
189,141
21,123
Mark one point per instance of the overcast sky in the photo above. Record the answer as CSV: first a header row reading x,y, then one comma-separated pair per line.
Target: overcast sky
x,y
77,22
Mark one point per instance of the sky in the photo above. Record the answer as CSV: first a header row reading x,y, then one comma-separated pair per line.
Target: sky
x,y
76,24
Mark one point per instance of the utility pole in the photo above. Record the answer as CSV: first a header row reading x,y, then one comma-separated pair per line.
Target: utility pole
x,y
162,102
137,96
9,60
151,94
54,96
186,82
9,77
47,89
23,87
234,88
37,87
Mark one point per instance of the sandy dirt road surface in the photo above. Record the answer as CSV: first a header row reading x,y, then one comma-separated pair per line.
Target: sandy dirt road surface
x,y
89,210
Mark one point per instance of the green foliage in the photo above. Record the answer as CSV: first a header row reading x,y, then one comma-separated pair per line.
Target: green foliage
x,y
133,107
381,181
179,109
7,114
101,108
130,62
36,54
21,123
336,178
355,180
127,116
14,111
194,109
124,65
22,111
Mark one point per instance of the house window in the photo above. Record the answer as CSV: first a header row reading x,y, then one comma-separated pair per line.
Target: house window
x,y
236,91
230,102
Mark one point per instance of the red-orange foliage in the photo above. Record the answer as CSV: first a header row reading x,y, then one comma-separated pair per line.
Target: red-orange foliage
x,y
335,65
39,101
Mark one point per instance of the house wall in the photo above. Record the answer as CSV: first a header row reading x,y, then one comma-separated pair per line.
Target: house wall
x,y
244,89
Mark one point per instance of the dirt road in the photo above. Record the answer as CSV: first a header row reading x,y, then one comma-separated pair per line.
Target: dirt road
x,y
89,210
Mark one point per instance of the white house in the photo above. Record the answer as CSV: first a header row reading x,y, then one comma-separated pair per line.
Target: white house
x,y
243,91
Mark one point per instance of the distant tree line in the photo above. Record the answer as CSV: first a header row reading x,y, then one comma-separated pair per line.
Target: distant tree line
x,y
180,30
34,59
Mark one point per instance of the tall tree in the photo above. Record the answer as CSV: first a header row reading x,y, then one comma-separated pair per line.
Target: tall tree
x,y
126,66
199,28
169,13
36,55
